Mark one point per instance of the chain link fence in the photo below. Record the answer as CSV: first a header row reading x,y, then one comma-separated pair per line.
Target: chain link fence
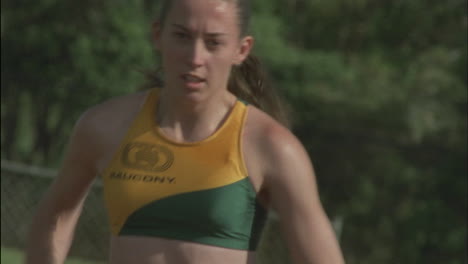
x,y
22,187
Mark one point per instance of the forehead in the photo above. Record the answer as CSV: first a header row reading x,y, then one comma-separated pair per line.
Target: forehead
x,y
204,15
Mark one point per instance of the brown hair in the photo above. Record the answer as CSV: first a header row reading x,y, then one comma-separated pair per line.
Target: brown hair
x,y
247,81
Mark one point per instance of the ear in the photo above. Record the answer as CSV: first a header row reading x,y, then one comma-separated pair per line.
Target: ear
x,y
156,32
246,46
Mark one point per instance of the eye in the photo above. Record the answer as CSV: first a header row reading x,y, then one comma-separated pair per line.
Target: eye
x,y
213,43
181,35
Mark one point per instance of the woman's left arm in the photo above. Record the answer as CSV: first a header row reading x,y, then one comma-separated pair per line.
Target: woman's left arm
x,y
293,193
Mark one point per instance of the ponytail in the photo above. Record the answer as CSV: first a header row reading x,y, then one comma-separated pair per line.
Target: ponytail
x,y
249,83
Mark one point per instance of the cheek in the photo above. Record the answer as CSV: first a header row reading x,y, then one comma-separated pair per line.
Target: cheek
x,y
169,50
222,62
171,58
227,60
220,68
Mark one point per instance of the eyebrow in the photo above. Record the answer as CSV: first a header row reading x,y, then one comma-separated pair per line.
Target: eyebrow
x,y
213,34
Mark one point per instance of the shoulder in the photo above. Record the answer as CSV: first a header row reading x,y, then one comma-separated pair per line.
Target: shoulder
x,y
280,149
99,125
112,110
287,171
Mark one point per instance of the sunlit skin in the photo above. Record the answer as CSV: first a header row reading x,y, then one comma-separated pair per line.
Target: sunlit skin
x,y
199,42
199,38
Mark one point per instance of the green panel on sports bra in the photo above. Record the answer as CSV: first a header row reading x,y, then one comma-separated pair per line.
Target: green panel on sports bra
x,y
227,216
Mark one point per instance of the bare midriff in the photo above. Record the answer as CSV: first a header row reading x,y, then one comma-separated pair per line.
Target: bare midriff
x,y
151,250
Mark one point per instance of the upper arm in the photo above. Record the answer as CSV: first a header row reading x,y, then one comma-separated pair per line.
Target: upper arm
x,y
88,148
56,217
290,179
77,171
293,193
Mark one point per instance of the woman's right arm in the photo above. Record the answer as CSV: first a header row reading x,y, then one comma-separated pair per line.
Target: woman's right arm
x,y
54,223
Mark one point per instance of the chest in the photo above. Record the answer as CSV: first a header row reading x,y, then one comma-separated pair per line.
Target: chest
x,y
188,193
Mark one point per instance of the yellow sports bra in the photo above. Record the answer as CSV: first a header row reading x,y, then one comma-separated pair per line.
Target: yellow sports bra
x,y
198,192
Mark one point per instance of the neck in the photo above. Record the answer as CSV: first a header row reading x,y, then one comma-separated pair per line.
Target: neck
x,y
186,120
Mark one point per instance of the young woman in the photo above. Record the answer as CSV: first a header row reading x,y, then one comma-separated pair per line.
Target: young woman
x,y
190,169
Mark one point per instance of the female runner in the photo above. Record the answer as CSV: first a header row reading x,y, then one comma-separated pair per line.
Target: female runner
x,y
190,168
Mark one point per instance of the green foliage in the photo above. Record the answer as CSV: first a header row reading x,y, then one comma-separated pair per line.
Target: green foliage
x,y
380,103
378,89
66,56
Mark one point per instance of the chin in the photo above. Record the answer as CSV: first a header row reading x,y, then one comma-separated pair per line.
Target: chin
x,y
193,97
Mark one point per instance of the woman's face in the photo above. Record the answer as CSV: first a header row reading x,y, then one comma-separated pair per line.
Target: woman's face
x,y
200,41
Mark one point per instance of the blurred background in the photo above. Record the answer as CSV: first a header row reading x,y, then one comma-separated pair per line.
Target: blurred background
x,y
378,92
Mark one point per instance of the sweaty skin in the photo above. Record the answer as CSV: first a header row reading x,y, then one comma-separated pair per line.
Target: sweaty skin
x,y
150,250
199,44
261,136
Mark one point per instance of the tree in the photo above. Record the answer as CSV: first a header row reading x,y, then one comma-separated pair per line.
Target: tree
x,y
60,57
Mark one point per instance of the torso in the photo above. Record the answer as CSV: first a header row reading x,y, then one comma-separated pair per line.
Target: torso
x,y
150,250
153,250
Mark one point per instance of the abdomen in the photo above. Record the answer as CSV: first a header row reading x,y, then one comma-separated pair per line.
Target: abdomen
x,y
151,250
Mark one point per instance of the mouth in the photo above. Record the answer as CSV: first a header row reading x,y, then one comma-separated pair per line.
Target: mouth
x,y
191,78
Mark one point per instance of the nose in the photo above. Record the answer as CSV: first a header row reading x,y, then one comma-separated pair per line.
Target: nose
x,y
196,54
